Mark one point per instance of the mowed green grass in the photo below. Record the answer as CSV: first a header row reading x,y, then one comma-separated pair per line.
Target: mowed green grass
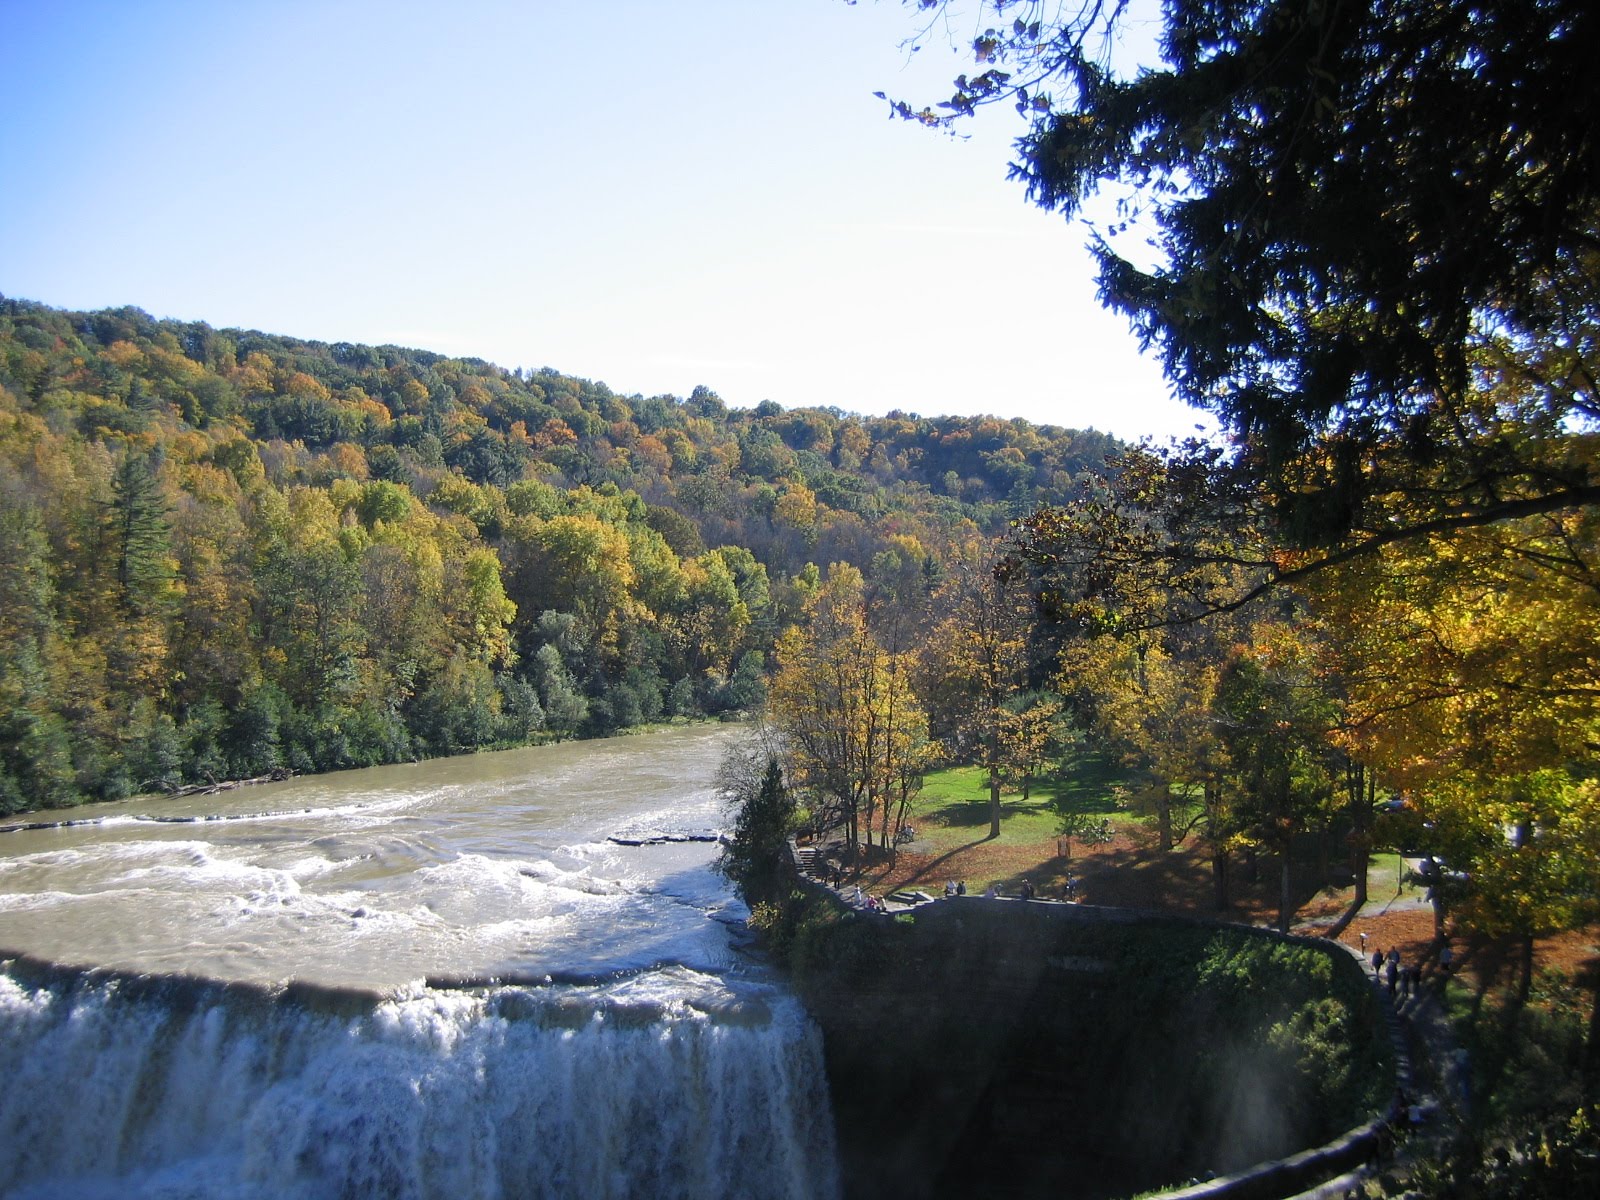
x,y
1386,880
953,809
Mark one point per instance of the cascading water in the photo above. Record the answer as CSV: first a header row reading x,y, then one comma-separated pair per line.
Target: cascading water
x,y
438,981
187,1090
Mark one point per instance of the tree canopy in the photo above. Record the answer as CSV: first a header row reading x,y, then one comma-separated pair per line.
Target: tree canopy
x,y
229,553
1362,233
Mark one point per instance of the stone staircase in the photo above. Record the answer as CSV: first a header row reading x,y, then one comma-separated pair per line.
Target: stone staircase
x,y
807,860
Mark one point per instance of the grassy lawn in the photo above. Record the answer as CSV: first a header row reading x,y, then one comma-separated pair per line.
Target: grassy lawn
x,y
952,822
954,807
1088,785
953,843
954,811
1384,880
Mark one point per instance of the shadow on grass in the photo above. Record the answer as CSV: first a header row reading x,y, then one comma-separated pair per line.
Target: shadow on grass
x,y
931,870
957,814
1086,784
1124,879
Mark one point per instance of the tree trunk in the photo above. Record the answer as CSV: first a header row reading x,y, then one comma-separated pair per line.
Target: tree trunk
x,y
1525,982
994,803
1345,919
1285,892
1164,815
1220,869
1221,865
1362,794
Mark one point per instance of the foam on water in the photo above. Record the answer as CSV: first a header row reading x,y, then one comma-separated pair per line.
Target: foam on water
x,y
664,1085
431,981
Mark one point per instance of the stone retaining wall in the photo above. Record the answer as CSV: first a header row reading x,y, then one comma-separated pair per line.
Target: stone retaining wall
x,y
911,1082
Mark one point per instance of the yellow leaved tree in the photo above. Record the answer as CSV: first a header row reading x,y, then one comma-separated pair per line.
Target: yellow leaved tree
x,y
854,733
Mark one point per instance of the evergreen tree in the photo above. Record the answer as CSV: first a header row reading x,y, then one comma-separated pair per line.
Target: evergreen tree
x,y
753,854
140,537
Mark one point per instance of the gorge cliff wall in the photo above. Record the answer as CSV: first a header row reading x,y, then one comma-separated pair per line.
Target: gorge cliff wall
x,y
1012,1049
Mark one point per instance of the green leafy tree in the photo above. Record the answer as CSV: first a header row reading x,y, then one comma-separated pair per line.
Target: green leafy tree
x,y
384,501
521,714
252,735
1274,717
138,536
565,707
27,589
155,749
459,709
681,699
747,686
310,612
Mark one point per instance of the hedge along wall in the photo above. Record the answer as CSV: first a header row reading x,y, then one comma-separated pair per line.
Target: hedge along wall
x,y
1002,1048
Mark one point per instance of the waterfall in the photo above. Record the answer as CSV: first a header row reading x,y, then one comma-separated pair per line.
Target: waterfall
x,y
663,1084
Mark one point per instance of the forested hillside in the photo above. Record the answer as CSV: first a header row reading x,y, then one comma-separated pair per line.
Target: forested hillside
x,y
227,553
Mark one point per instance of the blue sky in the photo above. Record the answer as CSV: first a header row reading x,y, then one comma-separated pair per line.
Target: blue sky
x,y
653,193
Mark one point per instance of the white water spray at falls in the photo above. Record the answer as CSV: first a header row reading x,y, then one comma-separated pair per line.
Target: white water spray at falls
x,y
124,1087
448,981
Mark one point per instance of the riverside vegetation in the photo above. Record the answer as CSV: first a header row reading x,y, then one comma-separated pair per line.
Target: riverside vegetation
x,y
230,554
1359,235
226,553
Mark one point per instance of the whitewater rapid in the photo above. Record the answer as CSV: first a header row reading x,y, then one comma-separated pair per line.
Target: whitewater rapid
x,y
443,980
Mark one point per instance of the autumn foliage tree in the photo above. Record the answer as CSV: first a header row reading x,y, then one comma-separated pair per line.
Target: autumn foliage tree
x,y
1154,707
975,661
854,731
1471,684
1365,243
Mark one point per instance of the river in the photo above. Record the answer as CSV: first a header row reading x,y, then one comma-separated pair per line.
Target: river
x,y
435,980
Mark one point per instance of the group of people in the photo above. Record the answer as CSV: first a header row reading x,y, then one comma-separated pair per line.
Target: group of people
x,y
1025,890
865,901
1403,979
833,874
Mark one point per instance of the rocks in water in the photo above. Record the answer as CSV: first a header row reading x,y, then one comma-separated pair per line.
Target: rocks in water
x,y
659,838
